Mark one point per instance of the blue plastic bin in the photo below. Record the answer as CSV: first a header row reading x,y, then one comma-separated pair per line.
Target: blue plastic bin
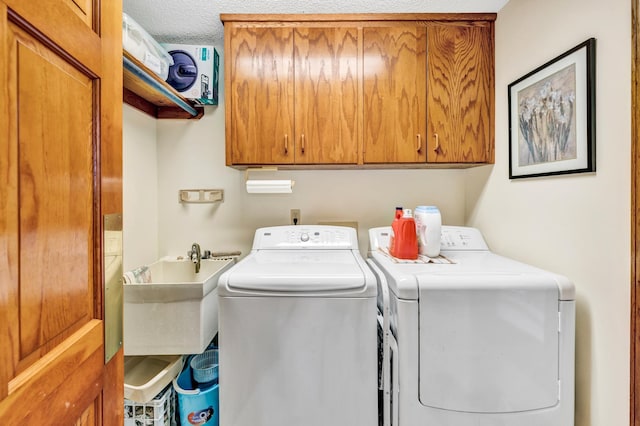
x,y
196,406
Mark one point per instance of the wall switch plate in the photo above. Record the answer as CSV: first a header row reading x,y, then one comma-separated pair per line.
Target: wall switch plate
x,y
295,216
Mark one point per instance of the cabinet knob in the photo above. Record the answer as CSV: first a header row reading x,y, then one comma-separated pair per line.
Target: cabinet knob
x,y
437,148
286,144
302,143
419,137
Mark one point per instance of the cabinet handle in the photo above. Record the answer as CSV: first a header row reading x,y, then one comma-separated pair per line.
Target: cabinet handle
x,y
286,144
437,148
302,142
419,142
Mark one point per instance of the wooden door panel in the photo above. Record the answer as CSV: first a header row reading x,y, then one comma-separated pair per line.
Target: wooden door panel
x,y
84,9
55,197
60,115
394,94
88,418
59,23
460,93
55,390
326,96
8,210
261,66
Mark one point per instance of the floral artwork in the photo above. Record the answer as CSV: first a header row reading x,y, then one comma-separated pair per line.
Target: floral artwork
x,y
547,119
552,118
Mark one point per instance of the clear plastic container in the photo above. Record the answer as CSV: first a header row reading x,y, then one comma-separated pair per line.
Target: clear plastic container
x,y
144,48
205,367
428,228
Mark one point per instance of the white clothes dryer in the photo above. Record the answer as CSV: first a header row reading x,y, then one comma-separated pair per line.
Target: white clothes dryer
x,y
476,339
297,333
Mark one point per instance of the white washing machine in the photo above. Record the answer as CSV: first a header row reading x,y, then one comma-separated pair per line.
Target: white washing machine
x,y
478,340
297,331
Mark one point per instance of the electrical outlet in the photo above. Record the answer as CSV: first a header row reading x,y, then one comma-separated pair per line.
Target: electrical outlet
x,y
295,216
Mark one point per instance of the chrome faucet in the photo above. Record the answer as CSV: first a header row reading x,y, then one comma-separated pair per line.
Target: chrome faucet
x,y
195,255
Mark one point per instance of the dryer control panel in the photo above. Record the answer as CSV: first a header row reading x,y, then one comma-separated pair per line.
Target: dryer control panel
x,y
452,238
461,238
305,237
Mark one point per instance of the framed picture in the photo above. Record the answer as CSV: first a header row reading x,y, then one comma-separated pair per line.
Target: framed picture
x,y
552,126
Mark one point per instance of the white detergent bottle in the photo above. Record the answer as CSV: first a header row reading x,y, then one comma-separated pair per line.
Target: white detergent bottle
x,y
428,227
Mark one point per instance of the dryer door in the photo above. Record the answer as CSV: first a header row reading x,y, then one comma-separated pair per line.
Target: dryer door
x,y
488,343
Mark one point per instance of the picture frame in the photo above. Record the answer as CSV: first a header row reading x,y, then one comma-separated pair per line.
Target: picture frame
x,y
552,111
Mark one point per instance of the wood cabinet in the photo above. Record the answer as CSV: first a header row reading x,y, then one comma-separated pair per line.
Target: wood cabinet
x,y
395,64
292,95
259,100
326,95
386,90
460,92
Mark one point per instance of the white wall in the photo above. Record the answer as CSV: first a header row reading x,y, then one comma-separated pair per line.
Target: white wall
x,y
576,225
140,189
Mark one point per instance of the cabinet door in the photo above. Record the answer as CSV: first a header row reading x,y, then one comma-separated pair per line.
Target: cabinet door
x,y
460,92
394,69
326,97
260,115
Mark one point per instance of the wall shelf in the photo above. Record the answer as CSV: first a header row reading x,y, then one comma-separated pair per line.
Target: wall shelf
x,y
144,90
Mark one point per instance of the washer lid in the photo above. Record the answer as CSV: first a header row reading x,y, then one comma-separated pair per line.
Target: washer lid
x,y
298,271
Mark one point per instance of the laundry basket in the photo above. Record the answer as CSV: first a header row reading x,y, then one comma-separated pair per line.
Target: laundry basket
x,y
197,404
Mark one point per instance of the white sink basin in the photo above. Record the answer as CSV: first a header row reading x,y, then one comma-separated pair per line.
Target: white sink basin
x,y
183,271
177,312
173,280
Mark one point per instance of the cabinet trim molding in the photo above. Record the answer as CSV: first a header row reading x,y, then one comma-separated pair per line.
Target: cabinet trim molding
x,y
332,17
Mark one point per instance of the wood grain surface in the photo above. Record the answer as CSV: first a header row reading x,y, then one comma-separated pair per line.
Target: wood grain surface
x,y
61,121
395,61
460,93
326,96
261,107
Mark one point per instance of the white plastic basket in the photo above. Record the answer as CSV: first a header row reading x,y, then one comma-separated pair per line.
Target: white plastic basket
x,y
160,411
146,376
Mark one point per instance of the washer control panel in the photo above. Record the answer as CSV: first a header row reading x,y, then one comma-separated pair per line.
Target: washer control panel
x,y
306,237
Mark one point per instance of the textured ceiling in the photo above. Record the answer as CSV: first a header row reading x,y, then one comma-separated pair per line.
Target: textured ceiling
x,y
198,21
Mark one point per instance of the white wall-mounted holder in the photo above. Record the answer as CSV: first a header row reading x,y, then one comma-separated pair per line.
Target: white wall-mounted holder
x,y
267,186
200,196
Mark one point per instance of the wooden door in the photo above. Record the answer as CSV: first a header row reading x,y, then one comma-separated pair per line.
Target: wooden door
x,y
395,66
460,92
259,116
61,168
634,373
326,95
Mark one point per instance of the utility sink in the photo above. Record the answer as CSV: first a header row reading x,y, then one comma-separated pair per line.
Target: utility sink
x,y
175,313
172,270
173,279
